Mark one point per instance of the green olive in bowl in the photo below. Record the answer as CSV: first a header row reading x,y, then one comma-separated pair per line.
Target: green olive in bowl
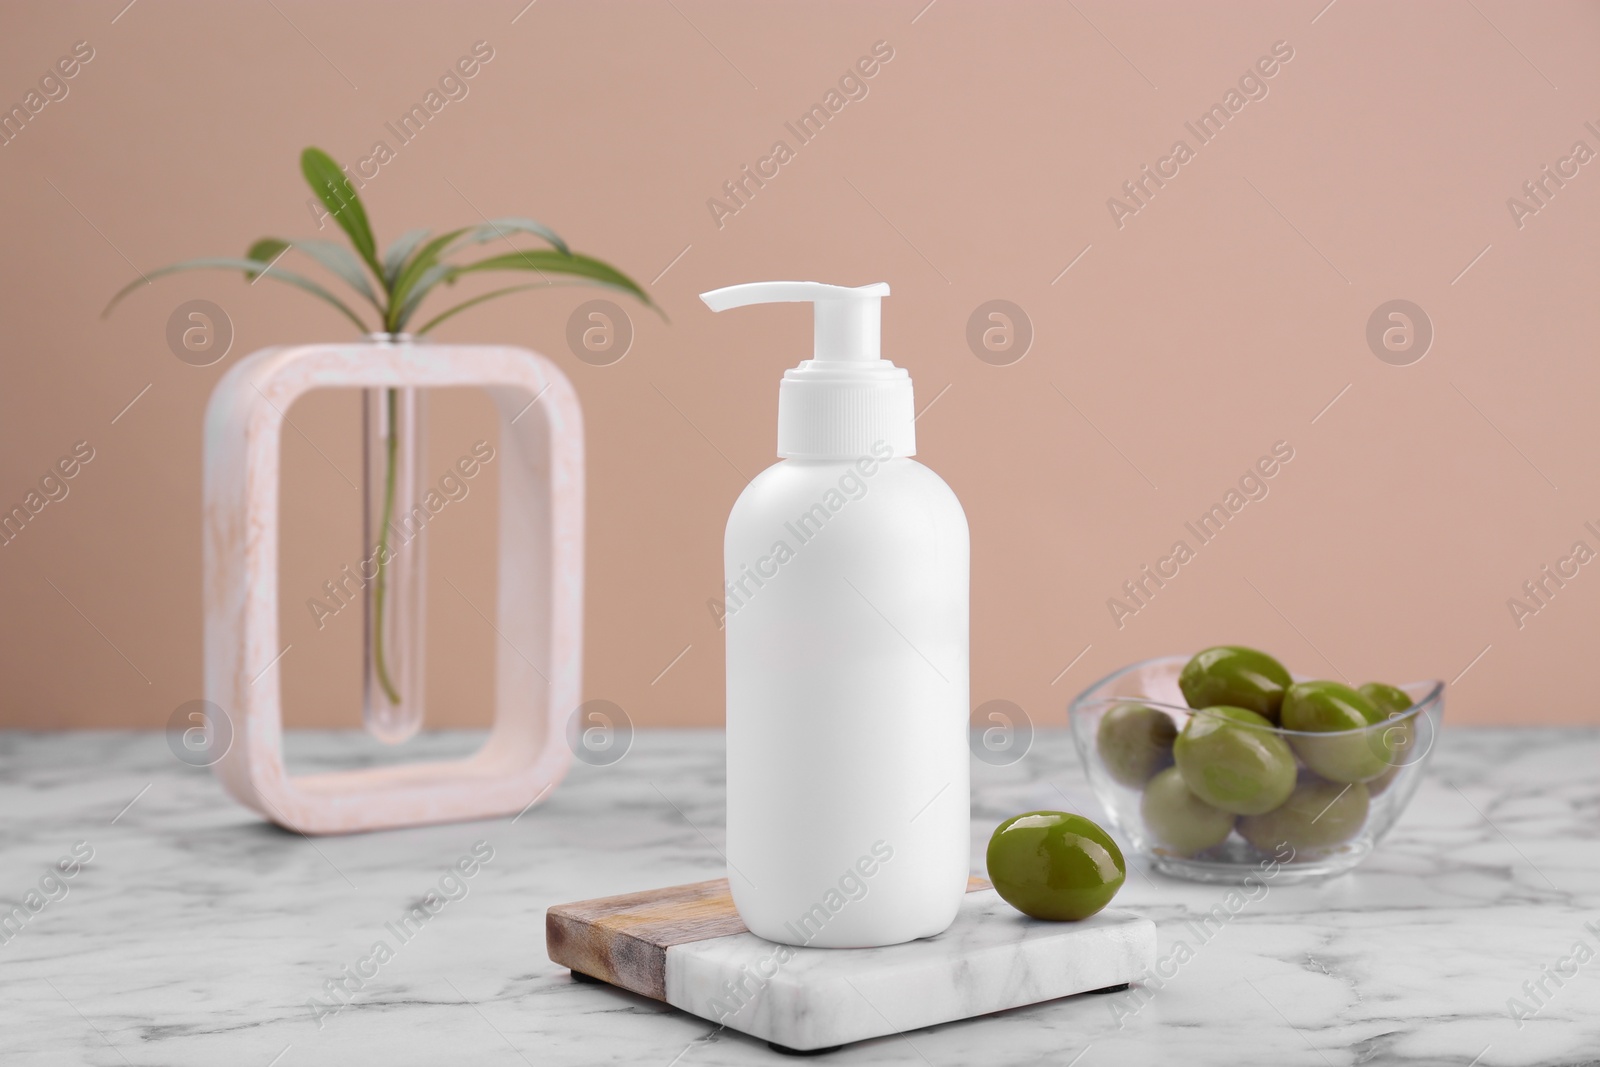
x,y
1388,699
1352,752
1391,702
1182,822
1318,815
1232,759
1054,865
1234,676
1135,742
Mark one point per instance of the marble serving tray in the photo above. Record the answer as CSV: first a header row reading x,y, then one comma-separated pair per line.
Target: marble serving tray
x,y
686,946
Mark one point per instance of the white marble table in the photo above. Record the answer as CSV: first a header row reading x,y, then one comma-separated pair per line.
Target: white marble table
x,y
196,934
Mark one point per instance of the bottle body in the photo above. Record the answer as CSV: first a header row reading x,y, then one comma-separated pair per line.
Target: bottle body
x,y
848,702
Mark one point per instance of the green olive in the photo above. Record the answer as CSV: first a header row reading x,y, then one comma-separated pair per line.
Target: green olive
x,y
1392,702
1135,742
1327,706
1232,759
1335,708
1318,815
1388,699
1236,677
1376,786
1182,822
1054,865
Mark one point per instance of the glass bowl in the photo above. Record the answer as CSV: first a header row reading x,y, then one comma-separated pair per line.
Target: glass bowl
x,y
1401,745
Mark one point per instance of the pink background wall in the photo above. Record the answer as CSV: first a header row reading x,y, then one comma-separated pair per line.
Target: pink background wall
x,y
1171,349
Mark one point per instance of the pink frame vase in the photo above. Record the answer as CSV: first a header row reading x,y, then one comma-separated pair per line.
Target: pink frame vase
x,y
540,586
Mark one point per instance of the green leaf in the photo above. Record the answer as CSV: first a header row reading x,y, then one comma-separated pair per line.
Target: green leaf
x,y
339,194
264,251
426,257
338,259
505,227
250,267
419,290
475,301
395,257
543,262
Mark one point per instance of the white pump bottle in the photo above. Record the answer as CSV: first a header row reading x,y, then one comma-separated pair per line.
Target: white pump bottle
x,y
846,613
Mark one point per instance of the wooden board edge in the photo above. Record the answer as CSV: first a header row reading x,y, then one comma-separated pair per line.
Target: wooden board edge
x,y
579,936
620,959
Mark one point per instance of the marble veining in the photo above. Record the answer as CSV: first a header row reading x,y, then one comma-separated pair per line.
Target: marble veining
x,y
198,934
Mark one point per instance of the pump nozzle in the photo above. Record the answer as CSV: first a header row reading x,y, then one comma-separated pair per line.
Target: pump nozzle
x,y
846,401
848,320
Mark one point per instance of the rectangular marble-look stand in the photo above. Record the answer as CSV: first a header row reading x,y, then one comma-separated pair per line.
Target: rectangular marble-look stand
x,y
685,945
539,610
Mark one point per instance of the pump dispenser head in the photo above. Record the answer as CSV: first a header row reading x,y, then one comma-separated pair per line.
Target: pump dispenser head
x,y
846,401
848,321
